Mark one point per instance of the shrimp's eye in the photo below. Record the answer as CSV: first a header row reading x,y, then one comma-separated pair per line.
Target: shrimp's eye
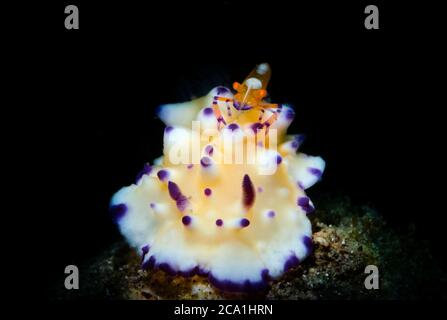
x,y
262,93
236,86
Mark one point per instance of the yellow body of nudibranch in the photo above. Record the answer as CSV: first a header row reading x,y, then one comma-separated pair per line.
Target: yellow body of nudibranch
x,y
227,221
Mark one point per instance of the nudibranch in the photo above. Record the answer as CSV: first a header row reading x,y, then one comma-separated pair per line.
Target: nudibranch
x,y
205,208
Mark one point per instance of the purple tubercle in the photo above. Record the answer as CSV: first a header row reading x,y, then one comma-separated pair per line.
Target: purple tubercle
x,y
209,150
190,166
208,111
243,286
307,241
248,192
290,114
174,190
162,174
222,90
295,144
152,205
149,263
300,185
316,172
219,222
304,203
244,222
205,162
168,129
202,272
278,159
299,138
256,126
175,193
182,203
233,127
226,285
265,274
260,189
291,262
166,267
186,220
207,192
187,273
118,211
144,251
147,169
271,214
191,272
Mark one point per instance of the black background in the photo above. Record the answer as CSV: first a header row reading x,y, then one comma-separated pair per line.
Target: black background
x,y
362,97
